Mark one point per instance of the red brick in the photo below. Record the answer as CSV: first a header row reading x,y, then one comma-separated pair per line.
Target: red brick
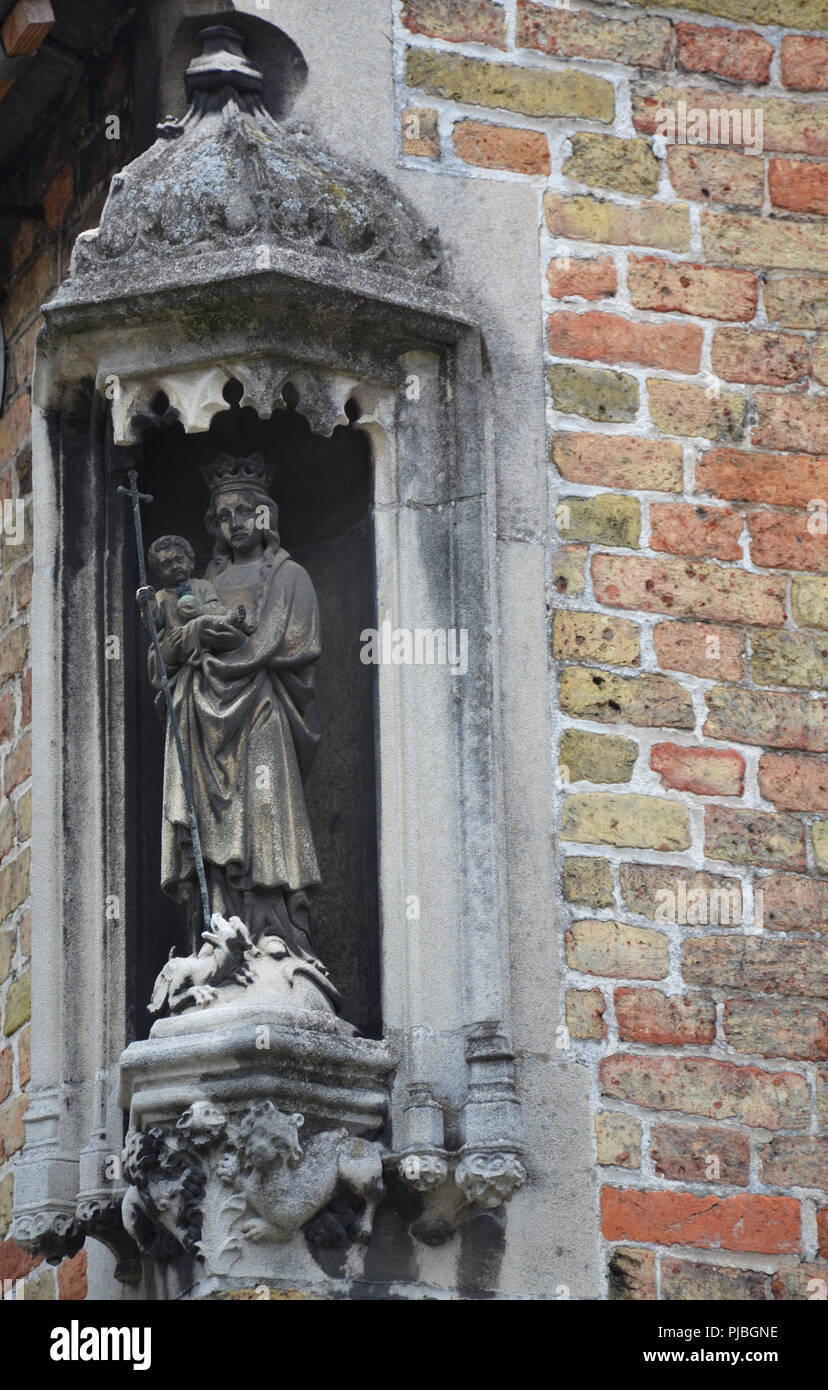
x,y
683,288
648,1016
459,21
793,782
795,1161
589,279
684,1155
790,480
755,355
822,1232
788,127
738,54
717,176
774,718
701,771
58,197
596,337
796,966
631,1273
6,1072
14,1262
17,767
783,541
684,529
14,427
798,186
620,461
7,711
805,63
26,714
715,653
794,903
689,588
640,42
72,1278
803,1281
754,837
501,147
768,1225
702,1086
791,422
684,1280
777,1028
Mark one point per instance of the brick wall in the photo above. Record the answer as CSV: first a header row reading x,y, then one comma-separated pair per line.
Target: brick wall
x,y
61,182
686,378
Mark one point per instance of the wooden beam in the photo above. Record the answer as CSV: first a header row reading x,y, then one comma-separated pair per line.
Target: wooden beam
x,y
26,27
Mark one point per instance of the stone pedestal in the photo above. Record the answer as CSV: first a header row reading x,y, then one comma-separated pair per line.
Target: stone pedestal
x,y
252,1148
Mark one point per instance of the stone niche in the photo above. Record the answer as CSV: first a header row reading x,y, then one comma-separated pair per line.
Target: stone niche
x,y
245,294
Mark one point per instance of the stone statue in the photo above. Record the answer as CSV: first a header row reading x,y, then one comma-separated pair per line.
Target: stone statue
x,y
239,648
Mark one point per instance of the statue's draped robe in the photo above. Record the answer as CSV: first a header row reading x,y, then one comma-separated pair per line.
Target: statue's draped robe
x,y
249,728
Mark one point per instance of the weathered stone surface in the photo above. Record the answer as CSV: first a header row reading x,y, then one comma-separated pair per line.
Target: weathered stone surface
x,y
594,392
791,902
642,42
809,601
678,407
618,1139
663,227
789,658
648,1016
649,701
607,161
685,1154
789,967
702,1086
595,637
776,719
644,822
684,1281
777,1029
588,879
585,1014
596,757
617,949
754,837
668,894
796,1161
619,461
529,91
606,520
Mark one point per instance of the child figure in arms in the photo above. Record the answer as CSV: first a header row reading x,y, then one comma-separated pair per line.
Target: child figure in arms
x,y
171,561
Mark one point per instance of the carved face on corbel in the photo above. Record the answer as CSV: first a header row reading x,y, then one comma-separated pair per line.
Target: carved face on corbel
x,y
270,1139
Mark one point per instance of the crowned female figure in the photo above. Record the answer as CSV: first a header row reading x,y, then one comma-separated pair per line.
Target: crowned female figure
x,y
243,693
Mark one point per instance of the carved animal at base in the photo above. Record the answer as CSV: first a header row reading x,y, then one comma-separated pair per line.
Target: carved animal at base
x,y
188,981
284,1186
162,1208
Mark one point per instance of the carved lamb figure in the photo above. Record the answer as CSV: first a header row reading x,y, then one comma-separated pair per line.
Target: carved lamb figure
x,y
286,1186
